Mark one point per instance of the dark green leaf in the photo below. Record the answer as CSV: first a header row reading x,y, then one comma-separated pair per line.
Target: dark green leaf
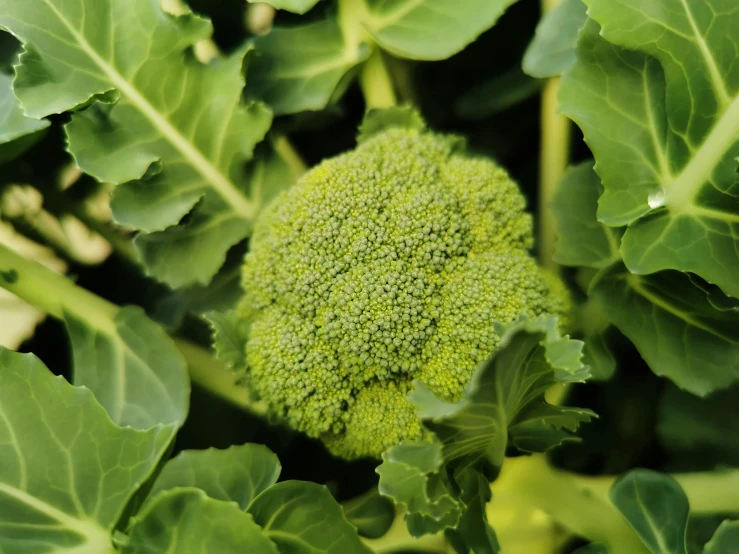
x,y
133,368
229,338
673,325
581,239
725,540
301,68
656,507
186,521
496,95
474,533
552,52
303,518
67,471
295,6
370,513
238,474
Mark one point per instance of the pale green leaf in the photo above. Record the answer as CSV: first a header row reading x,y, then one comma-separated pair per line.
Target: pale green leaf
x,y
725,540
552,52
67,471
592,549
379,120
581,239
301,68
175,137
17,132
133,368
412,474
371,513
303,518
295,6
531,357
186,521
656,93
430,29
656,507
671,322
238,474
230,333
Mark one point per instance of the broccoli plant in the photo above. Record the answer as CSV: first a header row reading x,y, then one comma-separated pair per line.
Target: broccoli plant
x,y
365,276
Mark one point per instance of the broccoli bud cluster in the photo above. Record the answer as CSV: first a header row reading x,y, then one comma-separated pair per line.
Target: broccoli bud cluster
x,y
383,265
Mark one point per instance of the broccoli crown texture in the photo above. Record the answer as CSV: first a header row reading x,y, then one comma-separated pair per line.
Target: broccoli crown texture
x,y
383,265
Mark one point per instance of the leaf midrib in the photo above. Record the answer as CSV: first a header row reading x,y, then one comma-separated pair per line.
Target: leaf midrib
x,y
225,188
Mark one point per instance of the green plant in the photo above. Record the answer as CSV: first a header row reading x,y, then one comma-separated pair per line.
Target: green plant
x,y
385,300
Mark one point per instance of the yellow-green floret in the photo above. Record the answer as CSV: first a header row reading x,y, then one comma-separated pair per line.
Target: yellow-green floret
x,y
386,264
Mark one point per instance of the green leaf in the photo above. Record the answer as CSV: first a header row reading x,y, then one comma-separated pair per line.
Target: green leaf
x,y
132,367
67,471
238,474
474,533
294,6
596,354
708,427
504,402
230,332
370,513
656,93
378,120
303,518
301,68
176,138
725,539
186,521
496,95
656,507
592,549
671,322
553,49
411,473
17,132
581,239
430,29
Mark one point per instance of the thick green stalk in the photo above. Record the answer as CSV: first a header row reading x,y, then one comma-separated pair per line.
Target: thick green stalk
x,y
554,152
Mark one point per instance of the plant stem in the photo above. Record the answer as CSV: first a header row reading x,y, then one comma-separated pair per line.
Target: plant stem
x,y
569,501
397,539
553,159
285,149
376,83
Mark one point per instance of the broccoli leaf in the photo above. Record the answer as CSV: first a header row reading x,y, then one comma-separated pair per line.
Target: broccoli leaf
x,y
708,427
302,68
671,322
656,93
592,549
132,367
303,518
411,28
411,474
168,130
238,474
230,332
67,472
656,507
724,540
473,533
186,521
370,513
17,132
581,239
552,52
530,358
496,95
295,6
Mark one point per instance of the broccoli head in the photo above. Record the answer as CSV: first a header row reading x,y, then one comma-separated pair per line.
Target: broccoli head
x,y
383,265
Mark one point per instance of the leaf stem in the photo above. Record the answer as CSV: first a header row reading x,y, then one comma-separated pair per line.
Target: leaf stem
x,y
284,148
377,86
553,159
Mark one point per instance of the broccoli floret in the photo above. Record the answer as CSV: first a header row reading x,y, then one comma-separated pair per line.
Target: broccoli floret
x,y
386,264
